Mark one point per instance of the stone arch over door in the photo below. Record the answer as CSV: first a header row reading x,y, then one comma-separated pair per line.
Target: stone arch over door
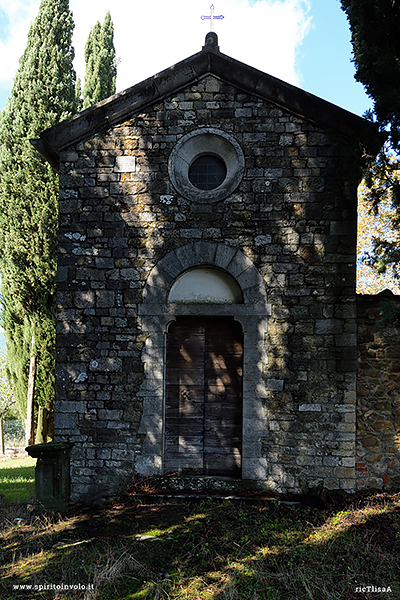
x,y
156,315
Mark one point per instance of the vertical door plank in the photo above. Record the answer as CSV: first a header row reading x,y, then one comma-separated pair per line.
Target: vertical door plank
x,y
184,411
223,398
203,413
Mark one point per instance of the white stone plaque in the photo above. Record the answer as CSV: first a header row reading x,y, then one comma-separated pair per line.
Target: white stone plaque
x,y
125,164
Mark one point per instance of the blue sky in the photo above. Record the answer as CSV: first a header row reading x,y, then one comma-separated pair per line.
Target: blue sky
x,y
304,42
325,59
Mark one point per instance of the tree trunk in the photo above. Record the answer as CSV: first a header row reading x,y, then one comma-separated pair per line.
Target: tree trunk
x,y
50,426
2,446
42,425
30,424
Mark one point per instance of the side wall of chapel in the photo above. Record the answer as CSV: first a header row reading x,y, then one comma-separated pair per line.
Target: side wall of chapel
x,y
378,384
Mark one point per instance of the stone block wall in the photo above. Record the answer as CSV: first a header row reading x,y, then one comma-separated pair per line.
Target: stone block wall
x,y
378,386
293,216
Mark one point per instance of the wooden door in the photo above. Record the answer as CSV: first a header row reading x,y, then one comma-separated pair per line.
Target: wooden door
x,y
203,412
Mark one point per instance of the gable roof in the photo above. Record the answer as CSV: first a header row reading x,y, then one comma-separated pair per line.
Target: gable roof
x,y
125,105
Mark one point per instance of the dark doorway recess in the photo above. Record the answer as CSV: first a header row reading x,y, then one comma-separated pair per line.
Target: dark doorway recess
x,y
203,412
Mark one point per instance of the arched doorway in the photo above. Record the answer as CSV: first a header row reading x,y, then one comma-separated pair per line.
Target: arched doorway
x,y
203,401
165,302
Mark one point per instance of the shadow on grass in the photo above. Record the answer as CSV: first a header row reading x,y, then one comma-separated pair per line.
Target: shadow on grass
x,y
207,551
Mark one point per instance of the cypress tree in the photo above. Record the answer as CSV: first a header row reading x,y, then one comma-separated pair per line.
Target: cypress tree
x,y
43,93
101,63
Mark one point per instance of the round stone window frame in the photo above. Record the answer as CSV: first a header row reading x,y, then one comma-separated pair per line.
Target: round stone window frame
x,y
206,141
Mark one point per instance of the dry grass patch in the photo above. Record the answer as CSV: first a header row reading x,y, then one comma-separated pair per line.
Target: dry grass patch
x,y
204,551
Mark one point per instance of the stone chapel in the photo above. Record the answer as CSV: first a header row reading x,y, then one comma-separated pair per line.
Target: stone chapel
x,y
206,318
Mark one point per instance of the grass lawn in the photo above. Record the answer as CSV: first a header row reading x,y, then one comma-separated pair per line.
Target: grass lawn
x,y
204,550
17,478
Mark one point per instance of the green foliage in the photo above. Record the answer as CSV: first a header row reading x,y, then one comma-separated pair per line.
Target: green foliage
x,y
43,93
101,63
14,431
375,26
389,313
6,393
379,225
78,95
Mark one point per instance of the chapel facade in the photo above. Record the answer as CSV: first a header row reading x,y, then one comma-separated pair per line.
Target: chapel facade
x,y
206,318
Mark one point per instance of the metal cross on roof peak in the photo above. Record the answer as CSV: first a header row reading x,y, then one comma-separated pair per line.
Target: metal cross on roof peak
x,y
211,17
